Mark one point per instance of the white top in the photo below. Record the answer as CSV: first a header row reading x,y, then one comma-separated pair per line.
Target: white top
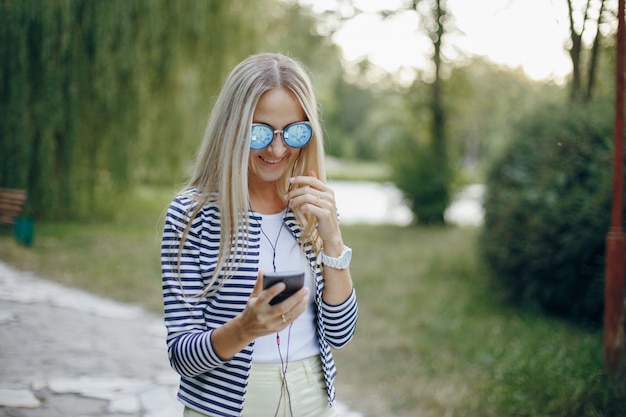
x,y
298,341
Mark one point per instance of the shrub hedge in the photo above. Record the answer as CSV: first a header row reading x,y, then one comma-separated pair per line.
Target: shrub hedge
x,y
547,210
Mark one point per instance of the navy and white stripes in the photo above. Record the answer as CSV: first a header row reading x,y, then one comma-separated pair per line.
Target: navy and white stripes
x,y
208,383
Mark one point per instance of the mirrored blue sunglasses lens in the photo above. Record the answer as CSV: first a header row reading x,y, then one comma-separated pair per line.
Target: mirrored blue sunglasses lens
x,y
298,135
260,137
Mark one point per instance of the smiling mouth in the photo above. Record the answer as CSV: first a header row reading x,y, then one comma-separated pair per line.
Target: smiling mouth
x,y
271,161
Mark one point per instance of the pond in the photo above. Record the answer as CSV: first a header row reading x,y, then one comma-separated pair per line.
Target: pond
x,y
368,202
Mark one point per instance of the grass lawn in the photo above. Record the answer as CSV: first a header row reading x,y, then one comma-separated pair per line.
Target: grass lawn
x,y
432,339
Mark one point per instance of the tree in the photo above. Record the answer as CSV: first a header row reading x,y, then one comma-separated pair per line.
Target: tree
x,y
430,195
487,101
593,18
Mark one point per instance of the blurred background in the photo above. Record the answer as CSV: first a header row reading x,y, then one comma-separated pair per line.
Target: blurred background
x,y
470,145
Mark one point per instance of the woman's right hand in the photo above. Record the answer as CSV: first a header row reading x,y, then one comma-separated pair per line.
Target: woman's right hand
x,y
258,318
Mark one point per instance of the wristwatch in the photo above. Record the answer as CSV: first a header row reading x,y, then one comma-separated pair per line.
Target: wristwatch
x,y
342,262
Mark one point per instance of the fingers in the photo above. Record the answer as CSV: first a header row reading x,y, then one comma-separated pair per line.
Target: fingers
x,y
312,196
310,193
261,318
258,317
309,200
290,309
309,180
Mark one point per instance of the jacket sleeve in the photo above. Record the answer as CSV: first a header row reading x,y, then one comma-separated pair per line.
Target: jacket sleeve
x,y
340,321
190,349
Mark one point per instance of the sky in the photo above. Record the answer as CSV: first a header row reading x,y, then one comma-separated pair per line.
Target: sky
x,y
517,33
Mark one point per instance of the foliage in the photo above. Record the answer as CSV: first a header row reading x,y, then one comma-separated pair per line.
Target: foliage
x,y
423,180
353,130
420,166
96,96
483,103
602,396
99,97
548,208
41,126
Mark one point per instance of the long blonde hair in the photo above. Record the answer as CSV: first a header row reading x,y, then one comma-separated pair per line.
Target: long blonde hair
x,y
220,174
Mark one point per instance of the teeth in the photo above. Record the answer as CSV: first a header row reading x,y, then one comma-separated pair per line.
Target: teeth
x,y
269,161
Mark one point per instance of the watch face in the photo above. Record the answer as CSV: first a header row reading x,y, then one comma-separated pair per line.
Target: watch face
x,y
346,258
342,262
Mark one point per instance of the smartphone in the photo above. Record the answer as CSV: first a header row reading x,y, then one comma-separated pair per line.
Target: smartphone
x,y
293,280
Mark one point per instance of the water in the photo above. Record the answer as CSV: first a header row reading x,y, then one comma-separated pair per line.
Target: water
x,y
370,203
365,202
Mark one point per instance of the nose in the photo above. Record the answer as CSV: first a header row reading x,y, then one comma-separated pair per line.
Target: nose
x,y
278,144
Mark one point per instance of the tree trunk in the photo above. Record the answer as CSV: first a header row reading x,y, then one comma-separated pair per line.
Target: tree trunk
x,y
594,56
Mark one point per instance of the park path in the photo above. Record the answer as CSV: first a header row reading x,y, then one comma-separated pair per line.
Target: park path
x,y
68,353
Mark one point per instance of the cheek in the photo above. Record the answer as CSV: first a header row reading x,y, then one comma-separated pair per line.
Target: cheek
x,y
251,161
294,154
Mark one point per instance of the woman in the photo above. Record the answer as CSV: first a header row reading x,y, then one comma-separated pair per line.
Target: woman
x,y
257,201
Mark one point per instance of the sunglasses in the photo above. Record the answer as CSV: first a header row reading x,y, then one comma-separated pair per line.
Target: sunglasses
x,y
295,135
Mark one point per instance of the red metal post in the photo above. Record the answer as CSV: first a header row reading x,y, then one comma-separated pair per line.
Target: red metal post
x,y
615,243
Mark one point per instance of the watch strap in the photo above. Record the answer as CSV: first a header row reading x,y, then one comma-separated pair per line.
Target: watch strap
x,y
342,262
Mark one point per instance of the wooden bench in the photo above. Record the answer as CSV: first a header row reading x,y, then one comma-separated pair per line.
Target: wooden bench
x,y
11,204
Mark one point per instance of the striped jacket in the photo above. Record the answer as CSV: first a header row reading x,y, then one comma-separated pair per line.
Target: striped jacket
x,y
208,383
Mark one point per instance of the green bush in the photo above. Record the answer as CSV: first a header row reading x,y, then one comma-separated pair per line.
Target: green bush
x,y
602,396
547,211
423,180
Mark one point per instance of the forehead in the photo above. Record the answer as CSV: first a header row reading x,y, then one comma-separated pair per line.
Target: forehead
x,y
278,107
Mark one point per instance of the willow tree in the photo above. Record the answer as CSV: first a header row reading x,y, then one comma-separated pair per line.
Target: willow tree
x,y
95,95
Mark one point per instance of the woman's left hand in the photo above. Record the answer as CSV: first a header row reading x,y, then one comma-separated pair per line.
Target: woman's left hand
x,y
314,197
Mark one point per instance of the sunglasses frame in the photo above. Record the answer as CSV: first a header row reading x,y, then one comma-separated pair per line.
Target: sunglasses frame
x,y
282,134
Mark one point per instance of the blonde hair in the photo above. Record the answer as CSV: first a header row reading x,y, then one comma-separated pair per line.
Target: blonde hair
x,y
220,174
